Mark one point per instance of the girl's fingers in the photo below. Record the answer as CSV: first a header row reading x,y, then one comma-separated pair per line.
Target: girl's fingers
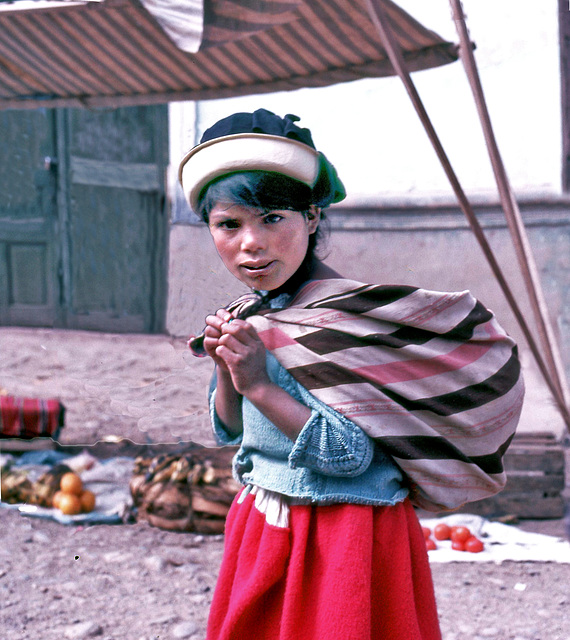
x,y
240,346
217,320
233,343
235,346
211,331
210,343
228,356
224,315
241,330
211,347
246,364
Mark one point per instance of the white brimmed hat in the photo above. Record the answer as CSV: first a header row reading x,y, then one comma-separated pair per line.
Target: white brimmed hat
x,y
246,152
259,141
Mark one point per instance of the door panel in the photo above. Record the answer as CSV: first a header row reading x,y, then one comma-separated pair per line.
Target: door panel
x,y
28,278
28,218
116,222
111,247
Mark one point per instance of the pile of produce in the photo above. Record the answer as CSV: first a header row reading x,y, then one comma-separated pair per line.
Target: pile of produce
x,y
185,492
72,498
460,537
59,487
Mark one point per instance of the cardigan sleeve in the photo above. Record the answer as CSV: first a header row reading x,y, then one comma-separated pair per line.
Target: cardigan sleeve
x,y
328,443
221,434
332,446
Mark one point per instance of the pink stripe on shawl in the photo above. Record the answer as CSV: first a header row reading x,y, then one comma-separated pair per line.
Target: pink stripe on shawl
x,y
274,338
392,372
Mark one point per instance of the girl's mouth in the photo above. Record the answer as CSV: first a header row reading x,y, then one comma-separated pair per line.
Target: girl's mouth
x,y
257,269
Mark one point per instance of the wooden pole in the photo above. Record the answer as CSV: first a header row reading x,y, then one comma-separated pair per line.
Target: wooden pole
x,y
511,210
380,20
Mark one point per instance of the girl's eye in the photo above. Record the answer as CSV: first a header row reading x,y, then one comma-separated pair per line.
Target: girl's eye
x,y
272,218
227,224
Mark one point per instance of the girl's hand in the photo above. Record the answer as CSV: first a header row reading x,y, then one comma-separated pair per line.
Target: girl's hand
x,y
213,333
228,400
240,356
243,354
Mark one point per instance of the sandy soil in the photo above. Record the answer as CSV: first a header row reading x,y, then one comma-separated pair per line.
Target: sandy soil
x,y
135,582
144,388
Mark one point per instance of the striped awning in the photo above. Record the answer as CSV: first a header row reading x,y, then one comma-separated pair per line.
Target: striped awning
x,y
125,52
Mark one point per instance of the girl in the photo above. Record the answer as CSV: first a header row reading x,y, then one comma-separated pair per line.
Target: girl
x,y
323,541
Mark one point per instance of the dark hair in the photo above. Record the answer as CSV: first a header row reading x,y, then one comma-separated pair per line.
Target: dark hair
x,y
262,190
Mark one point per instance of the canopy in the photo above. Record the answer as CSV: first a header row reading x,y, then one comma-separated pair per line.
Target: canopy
x,y
124,52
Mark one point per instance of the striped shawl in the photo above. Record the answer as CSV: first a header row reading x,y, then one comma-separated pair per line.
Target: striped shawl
x,y
431,376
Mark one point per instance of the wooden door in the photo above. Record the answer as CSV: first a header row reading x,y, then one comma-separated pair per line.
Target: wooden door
x,y
29,257
115,218
83,228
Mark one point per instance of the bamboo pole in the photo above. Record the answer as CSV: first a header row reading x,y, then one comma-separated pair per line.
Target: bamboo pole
x,y
511,210
380,20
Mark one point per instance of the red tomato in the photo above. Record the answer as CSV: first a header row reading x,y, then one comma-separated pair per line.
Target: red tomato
x,y
474,545
427,532
457,545
460,534
430,544
442,531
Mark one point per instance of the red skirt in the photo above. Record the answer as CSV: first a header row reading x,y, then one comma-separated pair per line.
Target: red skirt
x,y
336,572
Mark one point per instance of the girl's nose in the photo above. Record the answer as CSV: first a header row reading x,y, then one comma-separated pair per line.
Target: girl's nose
x,y
252,238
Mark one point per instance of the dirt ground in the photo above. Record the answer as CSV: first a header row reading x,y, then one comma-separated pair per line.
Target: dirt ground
x,y
136,582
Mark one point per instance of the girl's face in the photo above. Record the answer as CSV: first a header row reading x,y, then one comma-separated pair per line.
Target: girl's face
x,y
263,249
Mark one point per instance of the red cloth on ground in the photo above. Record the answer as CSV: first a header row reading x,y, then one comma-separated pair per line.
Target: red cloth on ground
x,y
30,417
338,572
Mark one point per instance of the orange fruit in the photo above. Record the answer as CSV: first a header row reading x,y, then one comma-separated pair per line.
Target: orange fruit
x,y
70,504
87,500
56,498
71,483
